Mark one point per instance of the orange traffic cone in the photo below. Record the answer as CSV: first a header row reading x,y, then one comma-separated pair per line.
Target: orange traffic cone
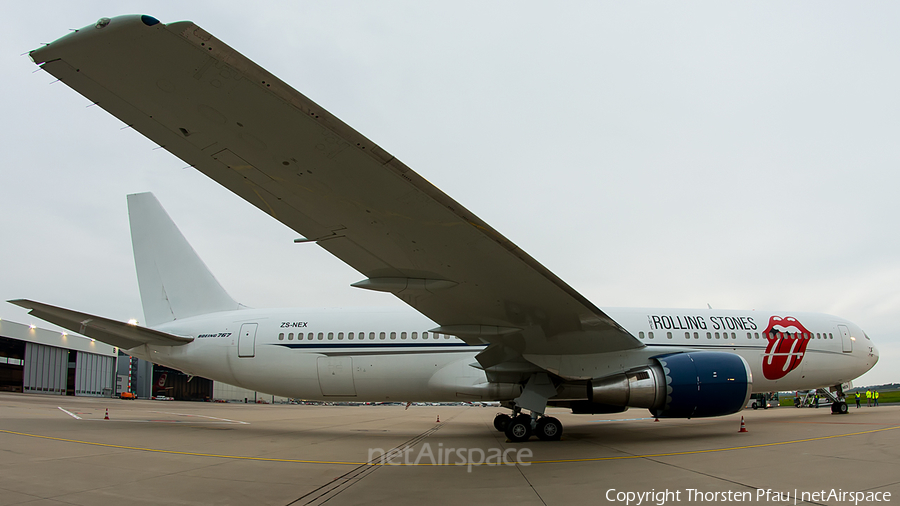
x,y
106,417
438,419
743,427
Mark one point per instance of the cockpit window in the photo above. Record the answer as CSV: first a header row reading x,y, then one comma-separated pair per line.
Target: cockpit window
x,y
866,336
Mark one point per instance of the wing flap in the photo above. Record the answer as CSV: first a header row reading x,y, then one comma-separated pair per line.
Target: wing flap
x,y
112,332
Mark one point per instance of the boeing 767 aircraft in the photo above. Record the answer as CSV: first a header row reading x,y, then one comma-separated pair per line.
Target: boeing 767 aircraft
x,y
493,323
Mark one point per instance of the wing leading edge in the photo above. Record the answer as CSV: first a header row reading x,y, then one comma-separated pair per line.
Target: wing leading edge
x,y
252,133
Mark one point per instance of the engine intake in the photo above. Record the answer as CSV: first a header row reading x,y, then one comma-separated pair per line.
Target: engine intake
x,y
682,385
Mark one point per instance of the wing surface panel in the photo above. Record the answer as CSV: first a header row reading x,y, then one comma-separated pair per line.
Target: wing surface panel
x,y
244,128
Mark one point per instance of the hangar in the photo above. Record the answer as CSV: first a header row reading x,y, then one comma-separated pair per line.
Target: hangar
x,y
36,360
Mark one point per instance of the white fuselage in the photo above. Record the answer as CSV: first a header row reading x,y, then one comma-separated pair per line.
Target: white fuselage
x,y
377,355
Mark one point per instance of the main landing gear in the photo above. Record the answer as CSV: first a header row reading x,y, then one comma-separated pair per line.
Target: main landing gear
x,y
521,427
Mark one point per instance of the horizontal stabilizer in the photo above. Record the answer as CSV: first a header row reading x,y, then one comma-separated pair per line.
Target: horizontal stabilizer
x,y
112,332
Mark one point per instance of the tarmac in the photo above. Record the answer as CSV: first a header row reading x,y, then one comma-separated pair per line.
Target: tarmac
x,y
60,450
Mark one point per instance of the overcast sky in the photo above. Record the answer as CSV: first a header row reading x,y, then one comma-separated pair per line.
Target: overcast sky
x,y
743,155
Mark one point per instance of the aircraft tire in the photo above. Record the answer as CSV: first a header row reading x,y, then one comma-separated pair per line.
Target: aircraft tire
x,y
519,429
548,429
840,408
501,421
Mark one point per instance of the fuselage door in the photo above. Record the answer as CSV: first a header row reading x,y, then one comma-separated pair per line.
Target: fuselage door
x,y
336,376
247,340
845,338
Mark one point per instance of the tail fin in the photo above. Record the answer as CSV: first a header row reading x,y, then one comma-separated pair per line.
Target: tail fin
x,y
174,282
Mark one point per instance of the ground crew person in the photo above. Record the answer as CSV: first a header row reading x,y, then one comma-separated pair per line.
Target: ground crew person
x,y
858,394
868,398
875,396
816,399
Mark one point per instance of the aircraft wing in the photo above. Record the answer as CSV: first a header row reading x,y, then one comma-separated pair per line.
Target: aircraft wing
x,y
116,333
243,127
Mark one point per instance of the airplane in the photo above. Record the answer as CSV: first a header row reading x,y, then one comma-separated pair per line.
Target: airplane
x,y
491,323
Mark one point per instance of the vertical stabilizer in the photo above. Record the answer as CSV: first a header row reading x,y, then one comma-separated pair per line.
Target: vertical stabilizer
x,y
174,282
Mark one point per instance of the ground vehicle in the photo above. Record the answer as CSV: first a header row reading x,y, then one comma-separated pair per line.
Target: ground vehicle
x,y
810,399
127,396
763,400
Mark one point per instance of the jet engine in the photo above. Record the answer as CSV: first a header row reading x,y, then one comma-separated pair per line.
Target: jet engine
x,y
681,385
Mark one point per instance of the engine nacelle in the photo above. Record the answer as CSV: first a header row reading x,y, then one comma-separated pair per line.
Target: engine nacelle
x,y
682,385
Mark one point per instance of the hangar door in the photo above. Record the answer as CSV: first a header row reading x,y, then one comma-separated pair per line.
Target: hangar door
x,y
94,374
46,368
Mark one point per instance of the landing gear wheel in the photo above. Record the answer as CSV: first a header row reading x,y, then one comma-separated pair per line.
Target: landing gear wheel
x,y
840,408
519,429
501,421
548,429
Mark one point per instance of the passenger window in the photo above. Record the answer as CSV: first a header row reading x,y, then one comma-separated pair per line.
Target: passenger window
x,y
393,335
340,336
331,336
641,335
756,335
717,335
830,335
381,335
281,336
291,336
403,335
415,335
733,335
309,336
749,335
446,336
668,335
321,336
424,335
650,335
709,335
371,335
350,336
687,335
696,335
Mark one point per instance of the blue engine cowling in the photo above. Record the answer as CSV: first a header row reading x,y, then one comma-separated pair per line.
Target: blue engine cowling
x,y
703,383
